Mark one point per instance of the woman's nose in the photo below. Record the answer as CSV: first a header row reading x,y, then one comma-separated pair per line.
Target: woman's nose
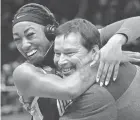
x,y
26,44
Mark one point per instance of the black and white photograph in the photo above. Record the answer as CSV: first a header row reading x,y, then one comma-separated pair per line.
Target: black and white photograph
x,y
70,60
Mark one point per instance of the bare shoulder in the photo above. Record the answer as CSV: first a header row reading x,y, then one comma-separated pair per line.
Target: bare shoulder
x,y
21,75
20,69
25,69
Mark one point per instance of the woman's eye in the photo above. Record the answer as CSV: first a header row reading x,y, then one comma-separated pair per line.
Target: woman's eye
x,y
57,54
16,39
30,35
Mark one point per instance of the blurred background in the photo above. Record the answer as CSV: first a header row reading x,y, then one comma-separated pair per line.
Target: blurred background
x,y
99,12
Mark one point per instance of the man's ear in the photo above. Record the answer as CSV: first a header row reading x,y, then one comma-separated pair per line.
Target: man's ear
x,y
95,49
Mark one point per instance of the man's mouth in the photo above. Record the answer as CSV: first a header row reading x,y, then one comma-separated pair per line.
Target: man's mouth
x,y
68,71
31,53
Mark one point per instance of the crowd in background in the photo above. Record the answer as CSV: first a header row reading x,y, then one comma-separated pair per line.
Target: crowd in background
x,y
99,12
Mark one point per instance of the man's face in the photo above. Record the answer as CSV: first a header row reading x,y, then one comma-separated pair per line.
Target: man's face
x,y
68,53
31,40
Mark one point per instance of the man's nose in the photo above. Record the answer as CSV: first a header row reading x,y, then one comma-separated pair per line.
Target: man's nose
x,y
25,44
63,60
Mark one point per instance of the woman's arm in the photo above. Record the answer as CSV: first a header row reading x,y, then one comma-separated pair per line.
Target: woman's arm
x,y
127,27
116,35
31,81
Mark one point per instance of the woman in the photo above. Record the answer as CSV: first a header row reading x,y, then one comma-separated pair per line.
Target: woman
x,y
34,41
41,44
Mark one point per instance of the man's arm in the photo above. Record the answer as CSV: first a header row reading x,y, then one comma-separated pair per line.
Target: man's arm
x,y
30,81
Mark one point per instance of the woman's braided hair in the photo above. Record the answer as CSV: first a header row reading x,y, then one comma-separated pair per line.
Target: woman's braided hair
x,y
44,13
38,9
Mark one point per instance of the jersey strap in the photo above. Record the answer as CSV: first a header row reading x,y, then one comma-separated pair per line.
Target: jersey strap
x,y
62,105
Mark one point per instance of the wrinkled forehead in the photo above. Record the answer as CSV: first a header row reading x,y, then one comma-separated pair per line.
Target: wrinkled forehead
x,y
68,41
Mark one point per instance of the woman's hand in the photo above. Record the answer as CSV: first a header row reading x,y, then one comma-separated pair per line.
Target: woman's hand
x,y
110,57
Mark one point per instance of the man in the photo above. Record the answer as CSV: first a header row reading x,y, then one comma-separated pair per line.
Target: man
x,y
77,39
70,88
30,44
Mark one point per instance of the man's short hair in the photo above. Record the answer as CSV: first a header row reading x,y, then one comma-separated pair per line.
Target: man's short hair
x,y
87,30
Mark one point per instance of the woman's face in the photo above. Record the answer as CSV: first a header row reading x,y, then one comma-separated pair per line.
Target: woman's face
x,y
31,41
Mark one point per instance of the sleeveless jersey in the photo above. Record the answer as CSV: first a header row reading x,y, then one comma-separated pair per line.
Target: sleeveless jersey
x,y
41,108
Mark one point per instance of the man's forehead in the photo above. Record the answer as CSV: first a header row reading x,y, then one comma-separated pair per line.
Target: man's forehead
x,y
70,39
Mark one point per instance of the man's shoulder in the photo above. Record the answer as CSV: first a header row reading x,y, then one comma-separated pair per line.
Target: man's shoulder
x,y
101,94
95,96
137,76
95,102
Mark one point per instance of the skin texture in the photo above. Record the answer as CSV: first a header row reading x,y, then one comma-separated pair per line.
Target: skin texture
x,y
31,80
108,56
69,53
30,73
108,51
30,36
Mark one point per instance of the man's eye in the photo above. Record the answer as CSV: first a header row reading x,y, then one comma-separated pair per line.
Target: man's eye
x,y
70,54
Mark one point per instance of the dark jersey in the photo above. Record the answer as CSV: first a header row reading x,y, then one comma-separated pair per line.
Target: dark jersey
x,y
47,107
